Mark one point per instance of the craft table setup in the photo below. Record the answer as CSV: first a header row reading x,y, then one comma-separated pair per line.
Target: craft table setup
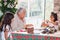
x,y
36,36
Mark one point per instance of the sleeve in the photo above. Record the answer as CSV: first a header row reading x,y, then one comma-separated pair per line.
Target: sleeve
x,y
56,23
7,27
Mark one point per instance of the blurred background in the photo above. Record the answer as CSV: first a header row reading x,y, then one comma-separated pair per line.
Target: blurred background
x,y
36,10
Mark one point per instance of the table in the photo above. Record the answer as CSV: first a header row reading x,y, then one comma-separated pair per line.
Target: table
x,y
20,36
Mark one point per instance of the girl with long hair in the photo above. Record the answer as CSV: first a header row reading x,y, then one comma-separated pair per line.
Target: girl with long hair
x,y
6,25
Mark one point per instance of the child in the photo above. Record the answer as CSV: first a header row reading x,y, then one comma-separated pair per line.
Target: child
x,y
6,25
53,21
52,24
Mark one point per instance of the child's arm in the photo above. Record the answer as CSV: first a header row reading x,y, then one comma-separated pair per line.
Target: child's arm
x,y
44,24
6,32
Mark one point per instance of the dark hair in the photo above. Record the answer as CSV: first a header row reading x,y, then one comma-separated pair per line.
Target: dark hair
x,y
55,16
7,20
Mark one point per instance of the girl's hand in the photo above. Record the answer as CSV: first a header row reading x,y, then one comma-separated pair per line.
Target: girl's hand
x,y
44,24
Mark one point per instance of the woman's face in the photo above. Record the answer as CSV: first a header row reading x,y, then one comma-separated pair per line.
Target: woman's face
x,y
22,14
51,18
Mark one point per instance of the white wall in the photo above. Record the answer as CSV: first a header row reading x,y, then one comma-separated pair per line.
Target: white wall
x,y
49,8
35,21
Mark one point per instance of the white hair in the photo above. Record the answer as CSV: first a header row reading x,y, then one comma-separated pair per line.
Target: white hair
x,y
19,10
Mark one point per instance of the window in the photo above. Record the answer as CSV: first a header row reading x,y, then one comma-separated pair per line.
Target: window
x,y
36,8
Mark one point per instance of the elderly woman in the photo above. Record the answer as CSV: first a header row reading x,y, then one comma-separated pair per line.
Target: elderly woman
x,y
19,21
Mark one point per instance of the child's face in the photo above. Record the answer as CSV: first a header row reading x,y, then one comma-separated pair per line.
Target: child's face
x,y
51,18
